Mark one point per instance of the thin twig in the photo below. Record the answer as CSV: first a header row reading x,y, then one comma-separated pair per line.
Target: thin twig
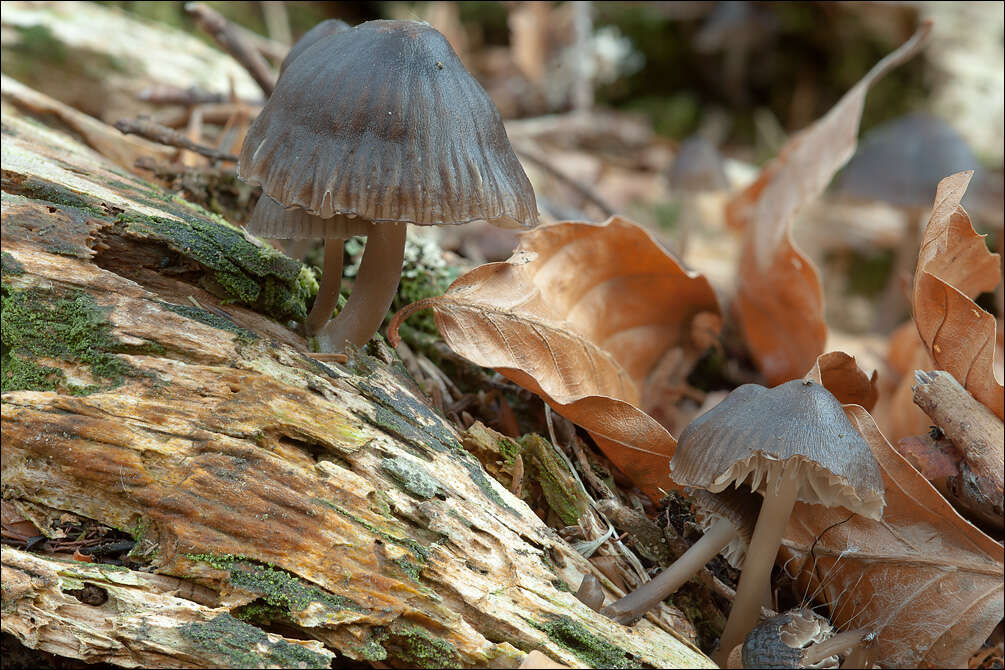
x,y
162,94
579,187
234,43
172,138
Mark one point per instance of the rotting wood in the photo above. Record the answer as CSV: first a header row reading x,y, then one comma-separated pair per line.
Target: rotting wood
x,y
236,461
979,436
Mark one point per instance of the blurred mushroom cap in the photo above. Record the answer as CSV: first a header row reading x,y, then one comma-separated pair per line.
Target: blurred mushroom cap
x,y
383,121
311,37
901,162
698,166
755,432
739,506
273,221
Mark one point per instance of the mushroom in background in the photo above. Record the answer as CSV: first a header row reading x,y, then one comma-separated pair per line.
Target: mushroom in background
x,y
697,168
368,130
727,519
590,592
901,163
792,442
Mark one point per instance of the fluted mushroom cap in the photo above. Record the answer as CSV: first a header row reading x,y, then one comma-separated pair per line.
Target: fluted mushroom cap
x,y
755,431
323,29
739,506
383,121
274,222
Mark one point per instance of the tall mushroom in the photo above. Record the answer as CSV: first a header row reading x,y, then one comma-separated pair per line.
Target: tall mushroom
x,y
901,162
370,129
697,168
727,519
792,442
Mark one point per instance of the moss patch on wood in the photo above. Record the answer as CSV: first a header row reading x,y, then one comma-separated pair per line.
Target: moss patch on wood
x,y
594,651
276,587
10,265
236,267
245,646
72,327
419,648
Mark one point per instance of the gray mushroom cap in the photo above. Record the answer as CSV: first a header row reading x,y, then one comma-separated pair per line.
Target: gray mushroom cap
x,y
698,166
901,162
752,434
273,221
383,122
311,37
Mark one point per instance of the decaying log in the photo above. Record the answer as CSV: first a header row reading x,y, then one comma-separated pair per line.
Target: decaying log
x,y
152,383
56,48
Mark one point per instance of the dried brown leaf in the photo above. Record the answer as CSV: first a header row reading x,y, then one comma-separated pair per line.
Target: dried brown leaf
x,y
779,302
923,578
579,315
840,374
954,266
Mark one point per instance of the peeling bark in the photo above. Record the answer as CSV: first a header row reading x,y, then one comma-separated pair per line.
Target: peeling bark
x,y
152,384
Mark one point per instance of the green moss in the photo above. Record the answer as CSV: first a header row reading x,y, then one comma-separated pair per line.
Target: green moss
x,y
424,274
244,336
40,189
594,651
10,265
508,449
260,613
258,276
276,587
413,570
563,493
71,328
560,585
245,646
237,269
419,648
373,649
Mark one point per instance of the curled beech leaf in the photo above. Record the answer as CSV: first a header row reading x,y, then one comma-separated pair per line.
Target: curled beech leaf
x,y
779,301
954,266
580,315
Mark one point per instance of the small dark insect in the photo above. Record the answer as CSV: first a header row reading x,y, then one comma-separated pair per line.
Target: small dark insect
x,y
935,433
439,65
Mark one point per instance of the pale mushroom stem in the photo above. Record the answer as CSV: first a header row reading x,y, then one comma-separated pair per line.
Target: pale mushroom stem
x,y
372,291
328,290
839,644
634,606
779,499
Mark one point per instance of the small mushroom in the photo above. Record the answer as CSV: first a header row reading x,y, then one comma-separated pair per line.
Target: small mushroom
x,y
799,638
792,442
370,129
697,168
590,592
727,519
901,163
